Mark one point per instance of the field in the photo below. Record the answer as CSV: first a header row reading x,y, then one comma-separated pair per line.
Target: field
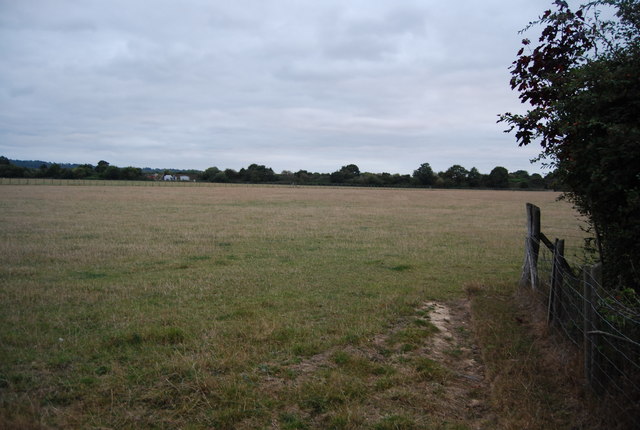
x,y
241,307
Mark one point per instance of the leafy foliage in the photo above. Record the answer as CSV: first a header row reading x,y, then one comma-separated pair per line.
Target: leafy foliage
x,y
498,178
582,83
424,174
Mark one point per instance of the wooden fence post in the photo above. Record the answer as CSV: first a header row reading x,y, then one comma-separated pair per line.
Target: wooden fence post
x,y
532,248
592,358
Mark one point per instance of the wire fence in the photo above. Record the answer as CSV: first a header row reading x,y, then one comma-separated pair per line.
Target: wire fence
x,y
603,322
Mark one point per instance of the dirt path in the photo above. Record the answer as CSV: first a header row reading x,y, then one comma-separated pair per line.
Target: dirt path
x,y
423,372
453,347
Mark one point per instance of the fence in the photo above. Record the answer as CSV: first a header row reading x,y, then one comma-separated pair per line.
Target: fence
x,y
603,322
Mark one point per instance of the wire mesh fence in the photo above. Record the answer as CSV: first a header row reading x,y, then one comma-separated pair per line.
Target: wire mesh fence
x,y
602,321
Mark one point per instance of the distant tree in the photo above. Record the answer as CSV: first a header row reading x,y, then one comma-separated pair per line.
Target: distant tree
x,y
519,174
498,178
519,179
351,169
42,171
83,171
286,176
209,174
8,170
231,175
131,173
402,180
345,174
112,173
474,178
11,171
102,166
455,176
424,174
303,177
67,174
220,177
536,181
257,173
552,181
368,179
53,171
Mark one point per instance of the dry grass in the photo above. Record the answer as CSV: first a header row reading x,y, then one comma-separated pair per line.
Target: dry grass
x,y
535,374
158,306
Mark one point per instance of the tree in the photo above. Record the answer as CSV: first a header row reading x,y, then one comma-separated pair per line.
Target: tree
x,y
102,166
424,174
519,179
220,177
112,173
231,175
302,176
582,82
257,173
345,174
210,174
498,178
536,181
131,173
455,176
369,179
53,171
474,178
10,171
83,171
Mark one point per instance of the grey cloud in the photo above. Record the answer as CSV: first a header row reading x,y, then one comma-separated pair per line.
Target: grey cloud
x,y
300,84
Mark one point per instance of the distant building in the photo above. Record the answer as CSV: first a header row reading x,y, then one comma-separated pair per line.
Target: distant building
x,y
168,178
184,178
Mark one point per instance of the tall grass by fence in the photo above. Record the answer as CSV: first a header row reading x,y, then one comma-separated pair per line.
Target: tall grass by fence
x,y
603,323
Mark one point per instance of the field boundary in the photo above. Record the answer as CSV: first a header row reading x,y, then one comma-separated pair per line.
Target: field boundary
x,y
603,324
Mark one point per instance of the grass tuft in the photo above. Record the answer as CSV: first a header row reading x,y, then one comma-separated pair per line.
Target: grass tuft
x,y
401,267
396,422
431,370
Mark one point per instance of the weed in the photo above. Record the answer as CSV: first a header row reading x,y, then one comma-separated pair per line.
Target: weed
x,y
329,392
454,352
401,267
290,421
341,358
430,370
413,335
422,323
396,422
306,349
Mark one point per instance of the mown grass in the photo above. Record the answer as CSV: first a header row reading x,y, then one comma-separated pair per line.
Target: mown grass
x,y
175,307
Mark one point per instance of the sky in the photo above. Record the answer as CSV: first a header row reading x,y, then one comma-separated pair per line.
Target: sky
x,y
290,84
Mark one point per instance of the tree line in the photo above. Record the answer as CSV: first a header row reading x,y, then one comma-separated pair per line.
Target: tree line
x,y
454,177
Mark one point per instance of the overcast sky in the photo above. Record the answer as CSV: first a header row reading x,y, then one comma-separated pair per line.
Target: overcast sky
x,y
291,84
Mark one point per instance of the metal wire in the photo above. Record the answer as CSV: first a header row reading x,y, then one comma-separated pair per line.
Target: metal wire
x,y
614,369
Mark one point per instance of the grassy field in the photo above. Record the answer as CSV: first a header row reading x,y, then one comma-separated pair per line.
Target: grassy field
x,y
198,306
